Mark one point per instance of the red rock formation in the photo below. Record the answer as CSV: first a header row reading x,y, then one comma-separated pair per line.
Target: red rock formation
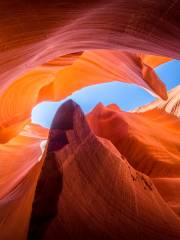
x,y
151,136
148,139
45,44
172,105
38,31
49,49
50,82
102,196
20,166
99,194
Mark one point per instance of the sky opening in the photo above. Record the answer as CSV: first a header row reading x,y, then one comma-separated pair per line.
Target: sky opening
x,y
126,96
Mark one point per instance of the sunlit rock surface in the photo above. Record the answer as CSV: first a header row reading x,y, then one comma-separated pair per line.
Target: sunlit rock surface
x,y
111,174
172,105
124,187
51,48
149,140
36,32
54,83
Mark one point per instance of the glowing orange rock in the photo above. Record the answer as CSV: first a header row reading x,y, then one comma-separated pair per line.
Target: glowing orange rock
x,y
20,166
47,60
93,171
102,196
49,49
148,139
35,34
55,81
151,136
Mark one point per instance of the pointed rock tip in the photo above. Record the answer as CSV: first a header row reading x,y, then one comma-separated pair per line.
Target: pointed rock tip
x,y
63,118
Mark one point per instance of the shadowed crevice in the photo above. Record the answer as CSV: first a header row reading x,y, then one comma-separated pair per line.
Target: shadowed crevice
x,y
47,193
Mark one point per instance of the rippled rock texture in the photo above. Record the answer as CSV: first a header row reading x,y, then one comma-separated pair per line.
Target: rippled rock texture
x,y
100,194
110,174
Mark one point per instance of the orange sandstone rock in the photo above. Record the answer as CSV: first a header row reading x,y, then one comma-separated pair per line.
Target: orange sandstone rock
x,y
102,196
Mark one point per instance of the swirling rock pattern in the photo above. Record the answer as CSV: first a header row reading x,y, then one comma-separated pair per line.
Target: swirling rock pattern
x,y
111,174
36,33
171,106
102,197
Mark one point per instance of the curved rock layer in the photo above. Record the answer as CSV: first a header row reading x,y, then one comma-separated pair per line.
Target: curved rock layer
x,y
20,166
116,178
36,32
59,78
172,105
50,49
151,136
149,140
97,189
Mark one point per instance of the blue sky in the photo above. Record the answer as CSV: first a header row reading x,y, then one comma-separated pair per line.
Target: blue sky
x,y
126,96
